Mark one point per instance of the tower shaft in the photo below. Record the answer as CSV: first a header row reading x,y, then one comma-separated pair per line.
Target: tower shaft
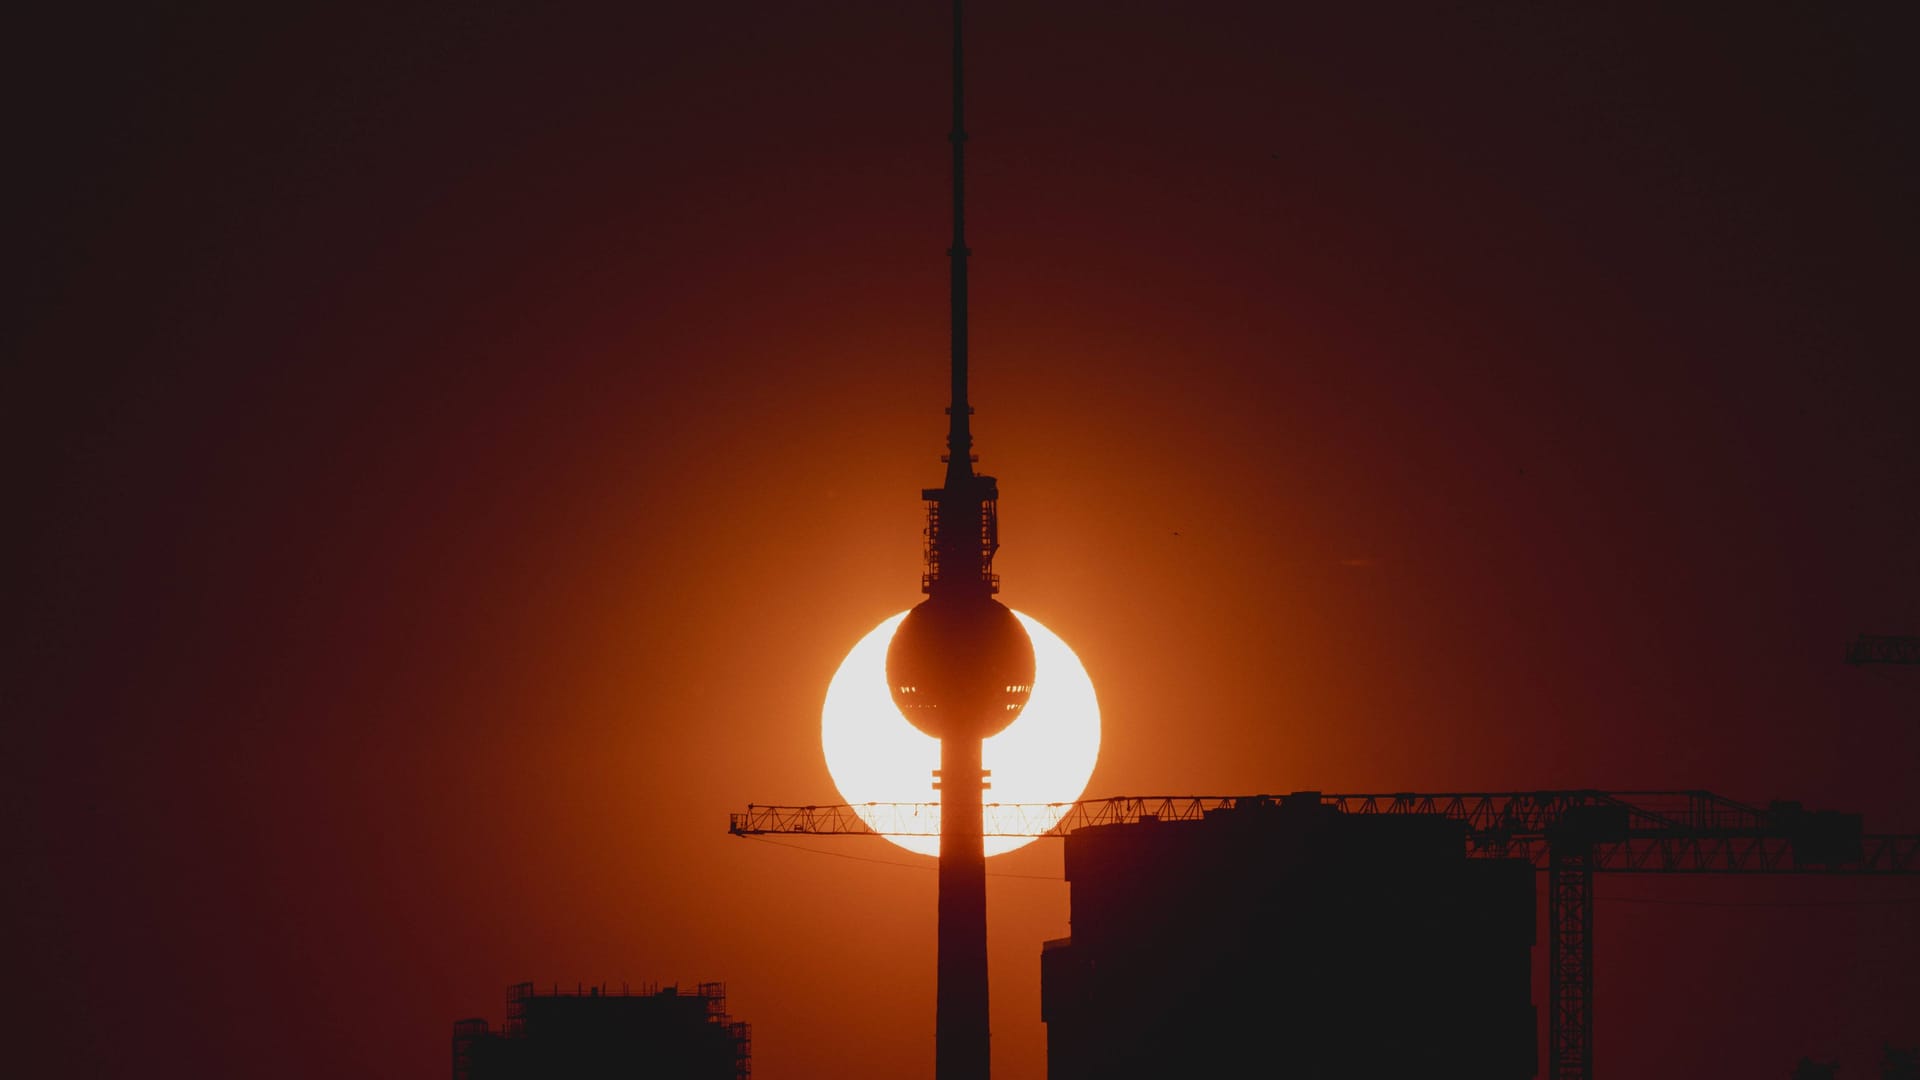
x,y
961,1034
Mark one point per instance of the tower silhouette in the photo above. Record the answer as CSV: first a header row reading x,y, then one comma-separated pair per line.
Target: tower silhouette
x,y
960,667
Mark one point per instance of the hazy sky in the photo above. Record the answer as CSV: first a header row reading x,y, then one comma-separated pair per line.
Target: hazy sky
x,y
454,447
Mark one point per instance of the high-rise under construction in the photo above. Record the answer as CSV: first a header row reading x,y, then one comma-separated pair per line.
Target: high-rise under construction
x,y
1284,938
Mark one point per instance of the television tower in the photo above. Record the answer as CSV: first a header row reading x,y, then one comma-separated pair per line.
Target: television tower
x,y
960,667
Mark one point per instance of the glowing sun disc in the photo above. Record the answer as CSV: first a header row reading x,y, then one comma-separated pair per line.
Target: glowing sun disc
x,y
874,755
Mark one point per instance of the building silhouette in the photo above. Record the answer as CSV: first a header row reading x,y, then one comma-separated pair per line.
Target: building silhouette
x,y
590,1033
1286,938
1809,1069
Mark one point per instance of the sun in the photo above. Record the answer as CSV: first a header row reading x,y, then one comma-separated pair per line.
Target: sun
x,y
1045,756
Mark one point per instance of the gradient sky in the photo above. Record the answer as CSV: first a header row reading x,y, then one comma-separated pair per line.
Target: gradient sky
x,y
453,448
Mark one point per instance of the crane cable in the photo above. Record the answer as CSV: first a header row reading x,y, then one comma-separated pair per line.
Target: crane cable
x,y
892,862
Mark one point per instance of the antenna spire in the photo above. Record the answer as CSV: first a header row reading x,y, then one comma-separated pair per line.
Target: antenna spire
x,y
960,412
963,528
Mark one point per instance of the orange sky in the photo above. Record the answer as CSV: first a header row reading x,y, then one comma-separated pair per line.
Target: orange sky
x,y
457,448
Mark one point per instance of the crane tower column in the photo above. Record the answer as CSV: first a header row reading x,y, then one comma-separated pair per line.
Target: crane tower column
x,y
1570,962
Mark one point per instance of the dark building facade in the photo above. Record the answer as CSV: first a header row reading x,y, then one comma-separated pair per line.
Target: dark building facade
x,y
591,1033
1283,938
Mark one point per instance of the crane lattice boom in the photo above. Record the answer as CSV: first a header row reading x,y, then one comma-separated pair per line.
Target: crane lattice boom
x,y
1638,831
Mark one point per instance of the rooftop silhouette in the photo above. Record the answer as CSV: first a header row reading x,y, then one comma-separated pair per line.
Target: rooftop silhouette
x,y
595,1032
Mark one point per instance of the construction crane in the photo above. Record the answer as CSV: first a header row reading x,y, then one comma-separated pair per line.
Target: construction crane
x,y
1568,835
1883,649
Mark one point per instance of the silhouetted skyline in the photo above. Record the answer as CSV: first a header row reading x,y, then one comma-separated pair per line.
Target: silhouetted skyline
x,y
456,444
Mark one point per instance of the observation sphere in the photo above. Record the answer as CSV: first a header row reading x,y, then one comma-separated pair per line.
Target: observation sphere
x,y
960,667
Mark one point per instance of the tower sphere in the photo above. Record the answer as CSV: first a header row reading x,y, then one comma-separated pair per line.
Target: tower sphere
x,y
960,667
